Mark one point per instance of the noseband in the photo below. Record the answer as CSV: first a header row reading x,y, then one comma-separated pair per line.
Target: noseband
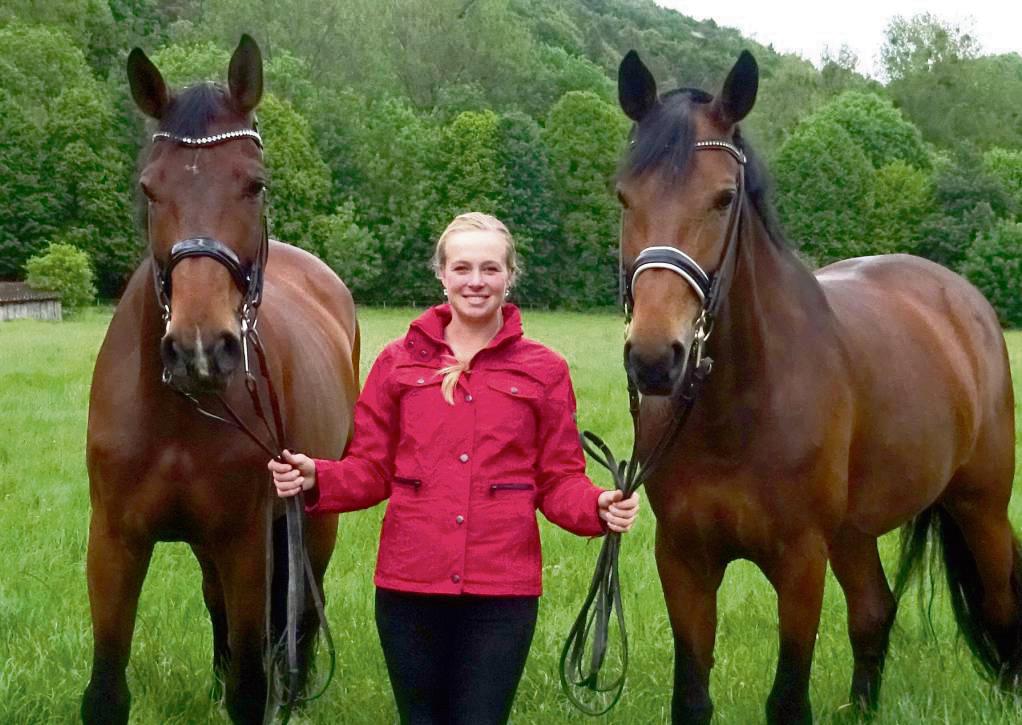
x,y
248,280
707,286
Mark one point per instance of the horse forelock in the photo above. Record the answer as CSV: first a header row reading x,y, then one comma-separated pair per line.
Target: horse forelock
x,y
193,110
664,141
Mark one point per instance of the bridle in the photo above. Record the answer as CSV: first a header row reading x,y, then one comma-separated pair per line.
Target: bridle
x,y
280,659
577,669
248,280
710,288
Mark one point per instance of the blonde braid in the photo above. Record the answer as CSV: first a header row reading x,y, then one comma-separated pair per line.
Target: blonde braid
x,y
451,373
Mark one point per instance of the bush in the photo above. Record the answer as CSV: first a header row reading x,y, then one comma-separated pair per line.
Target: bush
x,y
994,265
66,270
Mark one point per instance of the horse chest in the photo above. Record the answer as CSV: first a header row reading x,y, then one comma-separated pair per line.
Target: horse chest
x,y
714,515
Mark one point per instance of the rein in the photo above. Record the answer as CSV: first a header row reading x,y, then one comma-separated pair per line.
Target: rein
x,y
590,632
280,658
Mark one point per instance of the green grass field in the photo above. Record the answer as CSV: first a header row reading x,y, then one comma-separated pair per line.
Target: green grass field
x,y
45,637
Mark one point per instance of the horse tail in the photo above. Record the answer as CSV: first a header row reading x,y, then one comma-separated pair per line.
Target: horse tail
x,y
988,644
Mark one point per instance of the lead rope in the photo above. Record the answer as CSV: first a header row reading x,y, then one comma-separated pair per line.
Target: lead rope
x,y
280,659
590,632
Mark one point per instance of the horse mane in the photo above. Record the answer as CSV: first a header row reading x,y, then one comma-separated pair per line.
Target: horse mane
x,y
666,142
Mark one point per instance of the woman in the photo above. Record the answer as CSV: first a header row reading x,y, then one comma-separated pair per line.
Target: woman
x,y
467,427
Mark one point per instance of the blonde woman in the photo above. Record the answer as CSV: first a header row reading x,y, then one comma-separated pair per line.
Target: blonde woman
x,y
467,427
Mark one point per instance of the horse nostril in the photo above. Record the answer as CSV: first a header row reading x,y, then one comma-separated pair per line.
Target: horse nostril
x,y
227,353
170,352
679,355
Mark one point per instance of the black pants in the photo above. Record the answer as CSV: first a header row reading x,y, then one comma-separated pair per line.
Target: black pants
x,y
454,659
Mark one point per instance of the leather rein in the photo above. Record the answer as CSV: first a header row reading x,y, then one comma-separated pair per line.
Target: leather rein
x,y
280,659
579,668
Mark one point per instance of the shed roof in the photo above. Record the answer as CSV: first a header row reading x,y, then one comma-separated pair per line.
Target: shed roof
x,y
21,292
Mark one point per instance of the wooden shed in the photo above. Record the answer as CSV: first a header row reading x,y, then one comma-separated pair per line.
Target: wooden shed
x,y
19,301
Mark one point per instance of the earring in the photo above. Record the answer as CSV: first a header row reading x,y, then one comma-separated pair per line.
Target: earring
x,y
507,292
445,293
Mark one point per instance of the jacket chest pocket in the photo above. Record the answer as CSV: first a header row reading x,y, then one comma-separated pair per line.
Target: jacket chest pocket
x,y
514,399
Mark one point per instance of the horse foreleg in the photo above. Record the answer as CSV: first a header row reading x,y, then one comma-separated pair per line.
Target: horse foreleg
x,y
116,568
690,589
798,577
871,610
213,595
242,568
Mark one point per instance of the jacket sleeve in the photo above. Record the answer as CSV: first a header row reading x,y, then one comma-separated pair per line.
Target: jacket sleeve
x,y
362,477
566,496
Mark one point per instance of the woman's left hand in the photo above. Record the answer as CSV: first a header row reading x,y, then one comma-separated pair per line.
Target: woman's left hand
x,y
619,515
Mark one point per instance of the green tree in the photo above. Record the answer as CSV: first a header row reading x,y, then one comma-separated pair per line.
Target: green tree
x,y
903,201
994,264
299,180
65,269
1006,166
351,250
473,178
877,128
529,208
969,203
584,136
922,42
825,186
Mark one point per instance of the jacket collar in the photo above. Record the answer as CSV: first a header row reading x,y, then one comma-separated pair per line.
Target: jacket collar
x,y
431,323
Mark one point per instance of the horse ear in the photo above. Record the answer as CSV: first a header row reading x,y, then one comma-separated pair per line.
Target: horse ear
x,y
245,75
739,93
636,88
147,85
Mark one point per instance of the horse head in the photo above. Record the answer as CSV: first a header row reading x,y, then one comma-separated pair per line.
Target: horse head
x,y
680,212
204,181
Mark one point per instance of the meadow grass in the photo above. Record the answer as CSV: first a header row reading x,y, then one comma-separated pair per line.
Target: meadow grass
x,y
45,636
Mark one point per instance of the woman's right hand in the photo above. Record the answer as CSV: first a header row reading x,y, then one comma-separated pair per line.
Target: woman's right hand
x,y
296,473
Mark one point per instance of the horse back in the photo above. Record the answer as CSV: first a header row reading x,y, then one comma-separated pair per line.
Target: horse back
x,y
929,368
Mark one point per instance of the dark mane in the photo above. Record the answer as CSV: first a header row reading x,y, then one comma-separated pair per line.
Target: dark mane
x,y
193,110
664,140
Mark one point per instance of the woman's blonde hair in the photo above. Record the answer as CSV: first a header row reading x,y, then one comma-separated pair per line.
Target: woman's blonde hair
x,y
471,221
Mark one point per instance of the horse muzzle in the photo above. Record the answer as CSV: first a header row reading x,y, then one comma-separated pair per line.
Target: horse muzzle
x,y
197,366
656,370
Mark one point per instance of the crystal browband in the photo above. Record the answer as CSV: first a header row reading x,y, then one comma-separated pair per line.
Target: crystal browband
x,y
210,140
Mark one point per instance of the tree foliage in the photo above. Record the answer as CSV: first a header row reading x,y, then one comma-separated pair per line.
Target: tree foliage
x,y
64,269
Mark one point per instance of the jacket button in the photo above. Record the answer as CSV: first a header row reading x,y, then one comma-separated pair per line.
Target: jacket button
x,y
463,458
460,519
420,381
468,398
410,343
455,578
514,391
423,353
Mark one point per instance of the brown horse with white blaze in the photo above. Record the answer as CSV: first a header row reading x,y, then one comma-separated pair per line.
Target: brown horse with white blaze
x,y
842,404
160,471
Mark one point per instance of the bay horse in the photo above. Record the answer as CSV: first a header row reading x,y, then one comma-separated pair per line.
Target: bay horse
x,y
872,394
160,471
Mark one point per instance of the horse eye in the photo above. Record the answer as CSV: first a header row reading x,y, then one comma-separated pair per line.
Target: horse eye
x,y
147,191
725,199
622,200
255,188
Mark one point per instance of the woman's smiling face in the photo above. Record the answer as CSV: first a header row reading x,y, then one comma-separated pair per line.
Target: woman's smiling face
x,y
475,273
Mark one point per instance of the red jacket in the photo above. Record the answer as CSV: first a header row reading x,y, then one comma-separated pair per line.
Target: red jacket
x,y
464,480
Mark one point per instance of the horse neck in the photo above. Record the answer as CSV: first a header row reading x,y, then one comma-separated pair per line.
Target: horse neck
x,y
762,319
